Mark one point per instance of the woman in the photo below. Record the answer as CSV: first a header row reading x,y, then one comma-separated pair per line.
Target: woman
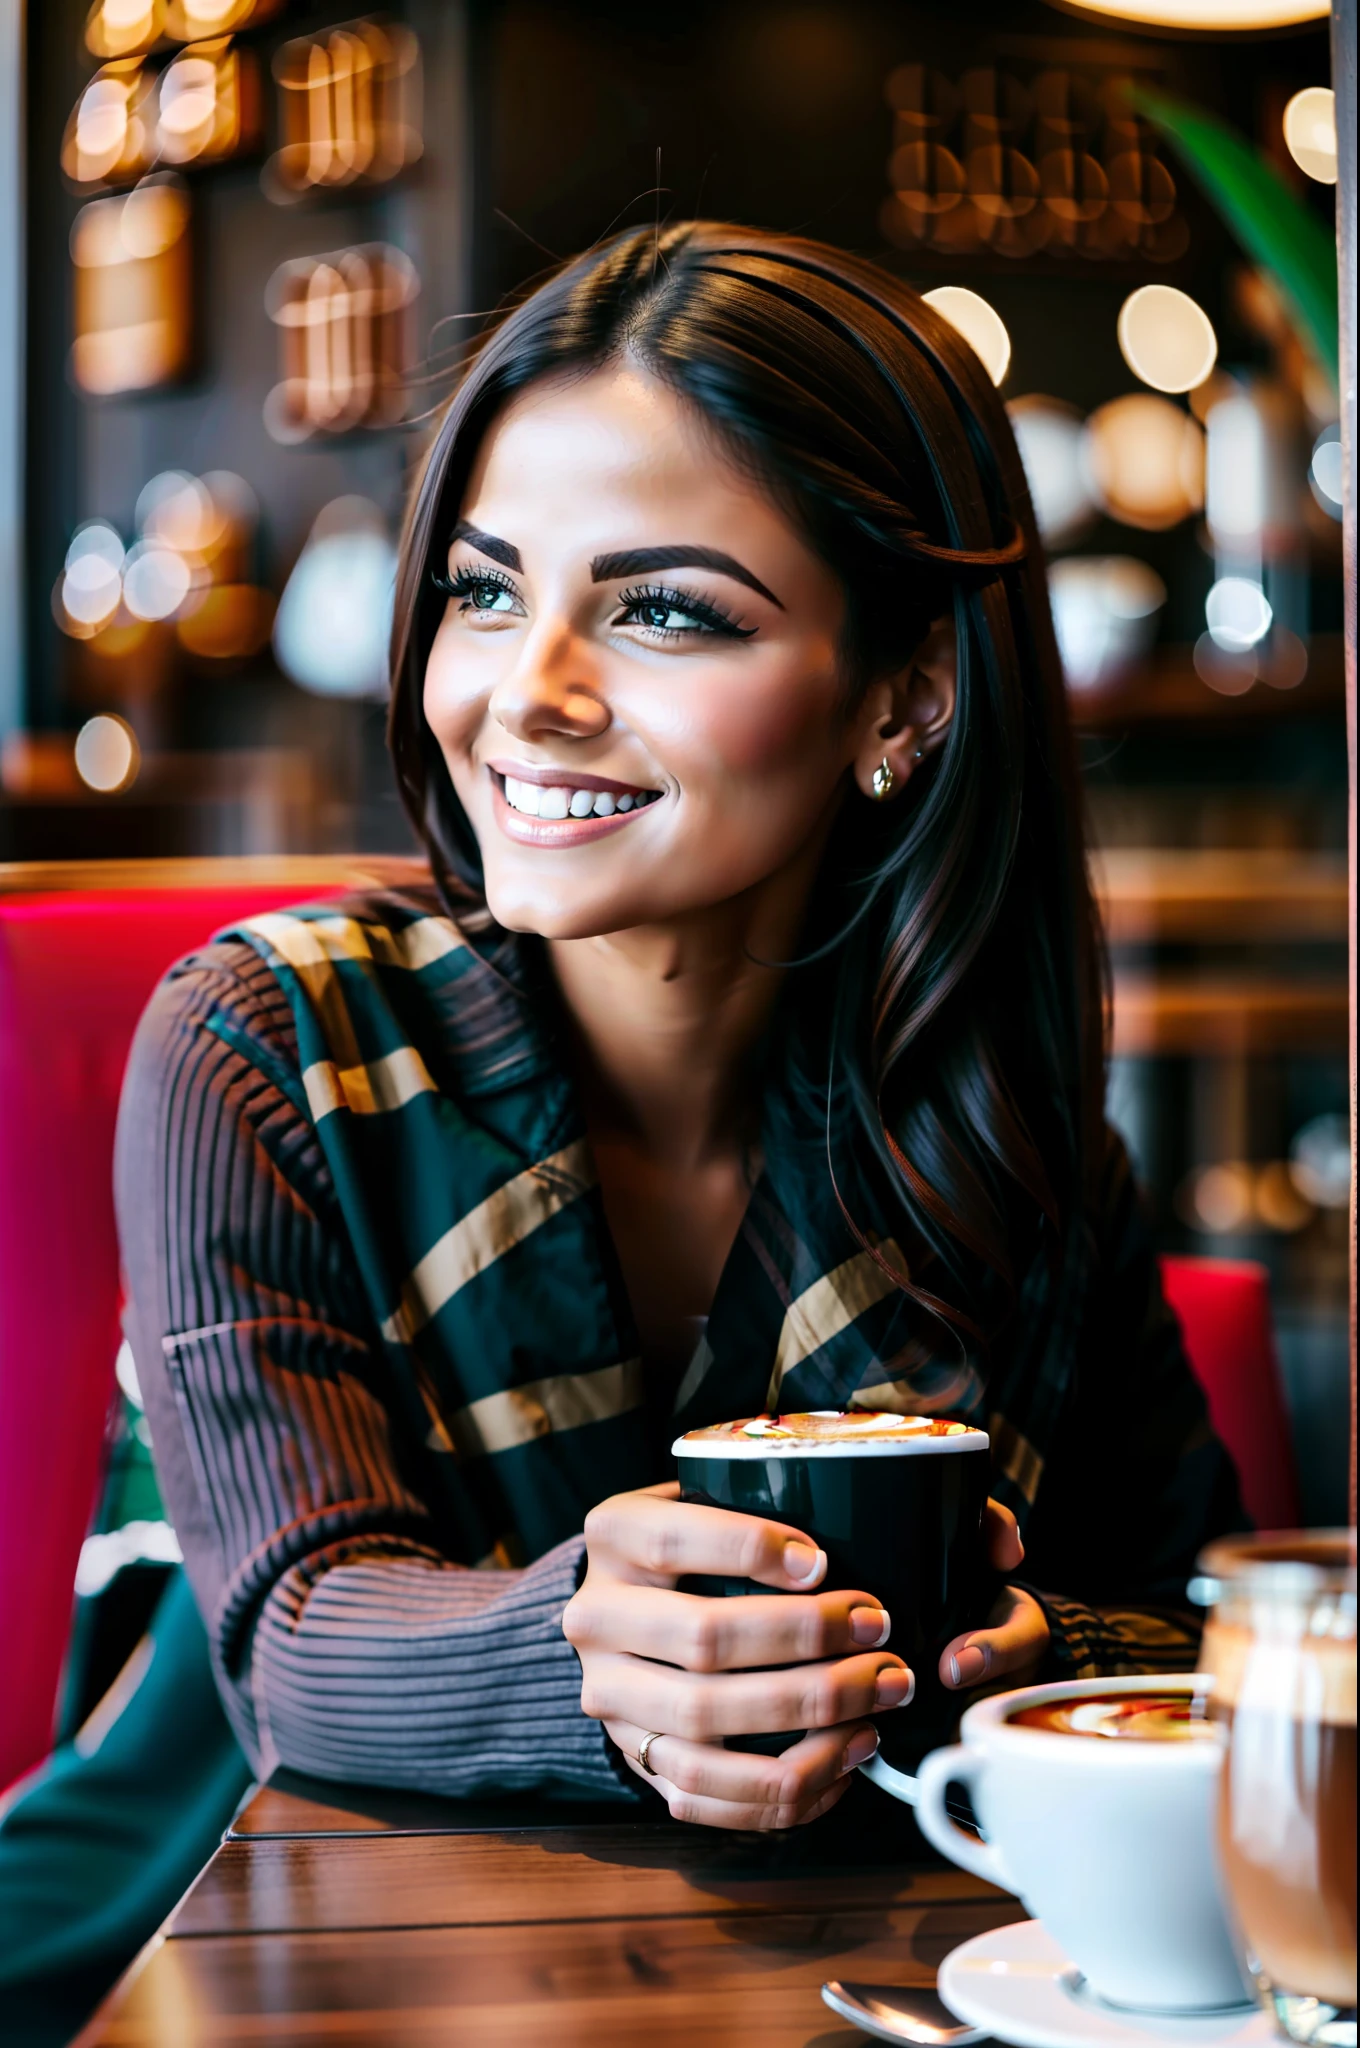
x,y
746,1051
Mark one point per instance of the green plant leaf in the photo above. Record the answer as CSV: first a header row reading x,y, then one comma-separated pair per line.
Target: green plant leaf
x,y
1274,227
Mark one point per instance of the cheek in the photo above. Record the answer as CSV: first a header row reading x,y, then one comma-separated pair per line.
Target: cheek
x,y
757,724
458,681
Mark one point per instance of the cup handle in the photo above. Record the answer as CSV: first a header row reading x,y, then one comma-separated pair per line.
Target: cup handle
x,y
957,1765
888,1780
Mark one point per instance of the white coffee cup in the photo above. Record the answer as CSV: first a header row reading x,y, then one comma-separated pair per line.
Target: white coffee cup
x,y
1108,1841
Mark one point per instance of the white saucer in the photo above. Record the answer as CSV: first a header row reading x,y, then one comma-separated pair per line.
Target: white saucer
x,y
1017,1984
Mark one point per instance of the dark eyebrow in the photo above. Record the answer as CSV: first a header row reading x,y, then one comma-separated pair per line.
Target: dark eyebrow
x,y
637,562
503,551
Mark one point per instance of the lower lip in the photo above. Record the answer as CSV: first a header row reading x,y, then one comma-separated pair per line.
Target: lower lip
x,y
555,831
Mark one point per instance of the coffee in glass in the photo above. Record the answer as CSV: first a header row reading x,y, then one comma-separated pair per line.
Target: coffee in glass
x,y
1281,1645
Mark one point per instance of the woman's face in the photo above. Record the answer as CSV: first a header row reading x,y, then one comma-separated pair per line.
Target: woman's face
x,y
635,684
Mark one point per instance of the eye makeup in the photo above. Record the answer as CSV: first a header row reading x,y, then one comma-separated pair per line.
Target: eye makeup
x,y
707,614
652,607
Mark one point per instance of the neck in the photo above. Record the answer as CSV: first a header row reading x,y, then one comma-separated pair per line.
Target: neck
x,y
668,1017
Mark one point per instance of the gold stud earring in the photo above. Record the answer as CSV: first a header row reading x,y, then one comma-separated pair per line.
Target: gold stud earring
x,y
884,781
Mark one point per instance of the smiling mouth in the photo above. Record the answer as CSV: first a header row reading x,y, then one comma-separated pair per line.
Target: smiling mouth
x,y
556,801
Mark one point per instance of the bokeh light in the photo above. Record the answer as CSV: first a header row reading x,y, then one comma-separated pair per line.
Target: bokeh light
x,y
156,581
106,754
1205,14
1166,339
980,325
335,616
117,28
1310,132
1145,461
91,584
1104,615
1326,471
1049,436
1237,613
1320,1161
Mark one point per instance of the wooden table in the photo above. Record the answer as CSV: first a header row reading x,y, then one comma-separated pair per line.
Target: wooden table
x,y
365,1918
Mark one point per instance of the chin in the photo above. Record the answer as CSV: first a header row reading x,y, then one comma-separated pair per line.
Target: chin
x,y
551,914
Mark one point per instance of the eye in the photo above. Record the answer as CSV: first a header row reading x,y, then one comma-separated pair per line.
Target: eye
x,y
677,614
663,618
484,593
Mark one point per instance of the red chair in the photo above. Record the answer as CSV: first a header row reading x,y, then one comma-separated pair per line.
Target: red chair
x,y
81,948
1223,1306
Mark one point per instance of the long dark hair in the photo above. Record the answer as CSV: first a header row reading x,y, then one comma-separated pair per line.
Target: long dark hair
x,y
957,1048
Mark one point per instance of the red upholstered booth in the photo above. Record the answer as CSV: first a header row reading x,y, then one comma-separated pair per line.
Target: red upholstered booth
x,y
81,948
1224,1311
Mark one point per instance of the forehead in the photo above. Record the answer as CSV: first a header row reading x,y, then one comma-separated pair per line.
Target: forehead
x,y
592,459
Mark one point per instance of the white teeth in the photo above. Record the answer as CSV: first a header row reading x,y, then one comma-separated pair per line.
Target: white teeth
x,y
558,800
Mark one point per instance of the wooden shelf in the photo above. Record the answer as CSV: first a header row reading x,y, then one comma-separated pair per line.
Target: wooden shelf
x,y
1232,1016
1169,690
1218,894
306,870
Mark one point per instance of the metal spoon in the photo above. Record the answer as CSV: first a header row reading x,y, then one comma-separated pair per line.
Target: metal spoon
x,y
890,2014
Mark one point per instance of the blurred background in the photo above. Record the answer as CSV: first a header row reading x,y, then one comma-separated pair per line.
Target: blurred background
x,y
241,243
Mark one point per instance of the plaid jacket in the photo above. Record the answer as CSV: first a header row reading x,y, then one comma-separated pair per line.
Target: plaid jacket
x,y
508,1346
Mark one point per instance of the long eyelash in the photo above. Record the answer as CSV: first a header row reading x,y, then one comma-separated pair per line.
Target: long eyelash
x,y
469,579
707,610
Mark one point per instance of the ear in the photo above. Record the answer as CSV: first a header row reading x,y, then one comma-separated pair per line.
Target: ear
x,y
907,716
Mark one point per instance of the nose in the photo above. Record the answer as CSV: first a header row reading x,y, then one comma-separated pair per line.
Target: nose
x,y
553,688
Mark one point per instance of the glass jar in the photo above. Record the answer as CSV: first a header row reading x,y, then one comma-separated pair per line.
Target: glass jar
x,y
1280,1645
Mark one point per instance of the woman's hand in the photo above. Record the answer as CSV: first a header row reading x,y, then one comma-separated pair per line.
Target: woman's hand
x,y
1009,1650
691,1670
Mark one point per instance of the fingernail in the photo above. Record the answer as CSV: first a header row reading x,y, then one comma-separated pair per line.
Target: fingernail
x,y
968,1665
859,1749
893,1688
802,1562
869,1627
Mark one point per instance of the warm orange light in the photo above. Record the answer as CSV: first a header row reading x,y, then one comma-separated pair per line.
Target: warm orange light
x,y
349,108
232,621
1145,460
108,138
207,104
344,334
189,21
132,289
117,28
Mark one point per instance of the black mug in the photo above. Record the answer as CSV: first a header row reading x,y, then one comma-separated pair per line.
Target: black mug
x,y
896,1502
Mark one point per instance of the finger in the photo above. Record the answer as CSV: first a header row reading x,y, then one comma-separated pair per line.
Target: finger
x,y
701,1811
1015,1639
1001,1533
665,1539
746,1632
704,1708
787,1784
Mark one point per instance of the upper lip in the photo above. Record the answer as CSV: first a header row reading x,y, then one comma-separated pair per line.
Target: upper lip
x,y
564,778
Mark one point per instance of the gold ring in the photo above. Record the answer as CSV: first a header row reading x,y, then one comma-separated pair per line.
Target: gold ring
x,y
644,1751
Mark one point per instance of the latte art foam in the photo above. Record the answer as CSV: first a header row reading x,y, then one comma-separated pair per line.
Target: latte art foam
x,y
832,1432
1123,1717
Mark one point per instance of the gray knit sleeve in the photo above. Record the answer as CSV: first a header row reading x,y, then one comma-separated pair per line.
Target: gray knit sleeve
x,y
344,1642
